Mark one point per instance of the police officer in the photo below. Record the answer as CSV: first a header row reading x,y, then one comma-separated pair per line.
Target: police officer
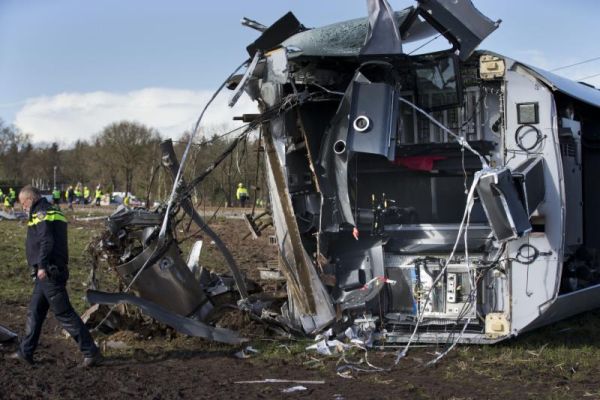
x,y
47,255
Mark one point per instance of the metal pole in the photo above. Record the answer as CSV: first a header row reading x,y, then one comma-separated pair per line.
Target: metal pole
x,y
54,186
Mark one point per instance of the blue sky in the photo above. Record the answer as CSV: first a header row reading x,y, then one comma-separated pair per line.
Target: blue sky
x,y
69,67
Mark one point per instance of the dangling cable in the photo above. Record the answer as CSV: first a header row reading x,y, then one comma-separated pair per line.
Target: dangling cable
x,y
461,141
466,214
163,228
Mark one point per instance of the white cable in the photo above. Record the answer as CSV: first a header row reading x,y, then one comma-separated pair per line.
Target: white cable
x,y
461,141
163,228
468,207
469,298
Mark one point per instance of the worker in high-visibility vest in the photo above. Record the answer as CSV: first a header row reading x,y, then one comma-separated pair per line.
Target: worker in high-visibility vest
x,y
86,195
69,196
98,195
78,194
56,196
12,195
7,204
242,194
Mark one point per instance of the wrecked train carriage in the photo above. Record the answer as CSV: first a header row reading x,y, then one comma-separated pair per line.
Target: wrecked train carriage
x,y
385,219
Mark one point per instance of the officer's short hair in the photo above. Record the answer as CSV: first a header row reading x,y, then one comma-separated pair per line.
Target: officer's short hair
x,y
29,191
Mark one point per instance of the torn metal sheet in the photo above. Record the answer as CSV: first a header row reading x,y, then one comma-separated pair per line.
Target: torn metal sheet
x,y
182,324
503,207
6,335
166,281
170,161
13,215
383,36
460,22
193,261
272,36
239,90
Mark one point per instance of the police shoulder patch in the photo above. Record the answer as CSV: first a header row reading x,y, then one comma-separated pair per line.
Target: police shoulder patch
x,y
40,214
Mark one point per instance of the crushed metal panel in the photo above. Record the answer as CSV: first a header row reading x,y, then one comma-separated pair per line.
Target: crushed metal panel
x,y
502,205
529,177
383,36
6,335
280,30
459,21
374,116
182,324
309,302
193,261
166,278
568,305
170,160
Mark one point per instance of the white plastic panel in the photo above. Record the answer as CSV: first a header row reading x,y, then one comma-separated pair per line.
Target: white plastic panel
x,y
534,286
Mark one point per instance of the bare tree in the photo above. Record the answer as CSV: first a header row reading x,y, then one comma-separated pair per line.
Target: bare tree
x,y
130,147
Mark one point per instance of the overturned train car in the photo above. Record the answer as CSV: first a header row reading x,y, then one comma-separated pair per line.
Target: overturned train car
x,y
425,193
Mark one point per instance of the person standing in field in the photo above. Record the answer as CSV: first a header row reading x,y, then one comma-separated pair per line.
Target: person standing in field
x,y
46,248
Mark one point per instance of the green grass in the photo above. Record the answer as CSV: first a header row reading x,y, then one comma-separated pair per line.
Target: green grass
x,y
16,284
563,356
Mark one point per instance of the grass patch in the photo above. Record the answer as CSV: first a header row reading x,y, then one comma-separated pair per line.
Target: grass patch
x,y
15,282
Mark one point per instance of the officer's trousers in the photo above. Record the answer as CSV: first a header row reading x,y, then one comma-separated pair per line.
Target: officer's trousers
x,y
52,294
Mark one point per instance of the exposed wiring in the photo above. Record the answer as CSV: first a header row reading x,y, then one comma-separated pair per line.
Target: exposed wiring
x,y
532,254
327,90
461,141
177,179
470,300
462,226
287,103
429,41
520,135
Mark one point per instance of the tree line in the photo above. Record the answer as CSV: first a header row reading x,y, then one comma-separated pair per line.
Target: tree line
x,y
125,157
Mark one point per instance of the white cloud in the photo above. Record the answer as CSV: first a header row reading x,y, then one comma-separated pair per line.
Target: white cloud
x,y
67,117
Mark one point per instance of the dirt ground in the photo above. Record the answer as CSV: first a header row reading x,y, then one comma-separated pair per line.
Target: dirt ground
x,y
561,361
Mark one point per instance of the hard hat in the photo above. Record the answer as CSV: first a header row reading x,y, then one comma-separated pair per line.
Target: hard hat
x,y
240,184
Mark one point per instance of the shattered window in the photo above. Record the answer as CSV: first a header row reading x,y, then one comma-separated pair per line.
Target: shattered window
x,y
344,39
407,135
437,84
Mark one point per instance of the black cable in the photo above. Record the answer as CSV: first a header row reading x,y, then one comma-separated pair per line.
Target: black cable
x,y
528,259
577,63
519,138
587,77
214,138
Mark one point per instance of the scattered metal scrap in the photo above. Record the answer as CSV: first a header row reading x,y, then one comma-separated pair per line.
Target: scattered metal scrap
x,y
13,215
6,335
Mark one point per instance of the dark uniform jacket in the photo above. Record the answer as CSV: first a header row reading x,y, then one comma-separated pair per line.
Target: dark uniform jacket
x,y
46,244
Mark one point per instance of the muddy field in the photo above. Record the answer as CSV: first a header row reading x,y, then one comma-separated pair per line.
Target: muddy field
x,y
560,361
